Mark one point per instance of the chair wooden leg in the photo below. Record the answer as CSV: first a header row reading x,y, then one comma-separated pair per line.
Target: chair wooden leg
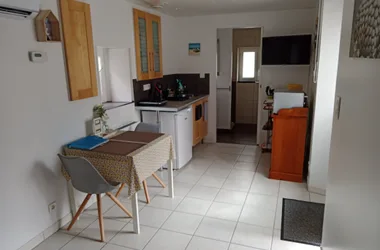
x,y
81,208
119,204
146,192
100,214
159,180
120,189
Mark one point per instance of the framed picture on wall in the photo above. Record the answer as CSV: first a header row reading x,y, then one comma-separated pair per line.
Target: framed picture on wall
x,y
194,49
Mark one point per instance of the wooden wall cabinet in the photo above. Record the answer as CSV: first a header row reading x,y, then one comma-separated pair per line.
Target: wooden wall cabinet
x,y
148,42
79,49
200,121
288,144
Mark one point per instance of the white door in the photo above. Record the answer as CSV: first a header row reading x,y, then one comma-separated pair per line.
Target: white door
x,y
224,78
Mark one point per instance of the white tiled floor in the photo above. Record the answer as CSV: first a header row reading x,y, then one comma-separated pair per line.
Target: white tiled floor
x,y
224,201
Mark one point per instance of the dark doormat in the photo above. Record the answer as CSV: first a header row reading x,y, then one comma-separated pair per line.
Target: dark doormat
x,y
302,222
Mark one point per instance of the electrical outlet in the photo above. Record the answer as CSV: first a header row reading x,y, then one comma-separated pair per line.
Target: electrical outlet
x,y
146,87
52,207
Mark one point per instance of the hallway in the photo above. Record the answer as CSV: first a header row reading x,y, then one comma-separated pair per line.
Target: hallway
x,y
244,134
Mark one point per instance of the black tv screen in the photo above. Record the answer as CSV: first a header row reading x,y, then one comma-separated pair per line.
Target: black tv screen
x,y
286,50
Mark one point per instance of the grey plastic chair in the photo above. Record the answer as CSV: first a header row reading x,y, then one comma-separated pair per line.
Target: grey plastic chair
x,y
152,128
86,178
147,127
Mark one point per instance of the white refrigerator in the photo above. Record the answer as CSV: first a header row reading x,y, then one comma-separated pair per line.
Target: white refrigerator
x,y
180,126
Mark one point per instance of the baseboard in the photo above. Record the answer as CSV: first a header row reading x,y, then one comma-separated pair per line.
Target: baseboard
x,y
33,242
316,190
208,141
285,176
56,226
46,233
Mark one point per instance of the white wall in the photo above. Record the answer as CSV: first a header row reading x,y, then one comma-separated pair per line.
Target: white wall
x,y
224,80
37,118
353,199
325,96
203,29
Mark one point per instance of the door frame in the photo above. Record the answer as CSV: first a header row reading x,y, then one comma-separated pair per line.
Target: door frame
x,y
261,94
229,89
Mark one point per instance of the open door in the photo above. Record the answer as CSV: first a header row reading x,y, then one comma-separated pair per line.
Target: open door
x,y
224,78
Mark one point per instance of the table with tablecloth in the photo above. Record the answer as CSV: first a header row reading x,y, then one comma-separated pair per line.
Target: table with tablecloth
x,y
130,157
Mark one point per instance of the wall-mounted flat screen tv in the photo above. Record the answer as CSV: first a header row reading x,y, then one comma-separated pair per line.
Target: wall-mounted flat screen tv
x,y
286,50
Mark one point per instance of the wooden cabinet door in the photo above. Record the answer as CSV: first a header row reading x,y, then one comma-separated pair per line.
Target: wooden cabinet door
x,y
143,64
155,46
79,49
288,149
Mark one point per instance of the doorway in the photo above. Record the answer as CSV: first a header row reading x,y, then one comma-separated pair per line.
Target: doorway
x,y
238,66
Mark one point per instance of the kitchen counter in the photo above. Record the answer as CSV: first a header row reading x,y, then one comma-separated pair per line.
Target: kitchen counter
x,y
172,106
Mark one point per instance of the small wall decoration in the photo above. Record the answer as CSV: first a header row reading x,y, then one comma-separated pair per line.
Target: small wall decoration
x,y
194,49
365,40
47,27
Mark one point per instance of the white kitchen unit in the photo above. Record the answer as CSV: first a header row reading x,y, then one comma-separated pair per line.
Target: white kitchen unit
x,y
180,126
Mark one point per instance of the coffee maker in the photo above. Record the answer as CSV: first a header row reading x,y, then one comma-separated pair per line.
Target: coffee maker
x,y
157,93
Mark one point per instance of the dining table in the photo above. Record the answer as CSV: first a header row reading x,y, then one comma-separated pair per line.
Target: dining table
x,y
128,157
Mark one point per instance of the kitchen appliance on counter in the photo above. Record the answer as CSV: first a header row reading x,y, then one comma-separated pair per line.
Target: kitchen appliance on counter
x,y
157,93
180,93
179,98
286,99
180,126
156,97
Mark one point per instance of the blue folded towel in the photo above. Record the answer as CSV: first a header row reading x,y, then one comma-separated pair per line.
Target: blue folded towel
x,y
88,143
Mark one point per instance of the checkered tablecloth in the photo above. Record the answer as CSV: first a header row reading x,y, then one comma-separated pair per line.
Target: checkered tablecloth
x,y
130,169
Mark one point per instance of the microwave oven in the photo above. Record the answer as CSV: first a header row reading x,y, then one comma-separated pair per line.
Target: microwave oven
x,y
287,99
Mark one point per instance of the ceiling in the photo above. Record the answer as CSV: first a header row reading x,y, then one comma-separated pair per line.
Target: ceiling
x,y
211,7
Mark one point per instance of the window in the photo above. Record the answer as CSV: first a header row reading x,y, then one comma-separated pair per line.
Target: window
x,y
114,75
247,65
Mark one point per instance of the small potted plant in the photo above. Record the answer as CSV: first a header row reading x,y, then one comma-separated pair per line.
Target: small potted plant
x,y
101,112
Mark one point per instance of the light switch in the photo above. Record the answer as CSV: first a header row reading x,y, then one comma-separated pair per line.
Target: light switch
x,y
146,87
338,104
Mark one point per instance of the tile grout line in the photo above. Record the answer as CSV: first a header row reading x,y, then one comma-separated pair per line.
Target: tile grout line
x,y
245,200
275,216
174,210
75,236
126,224
237,222
160,228
157,230
211,206
213,201
203,217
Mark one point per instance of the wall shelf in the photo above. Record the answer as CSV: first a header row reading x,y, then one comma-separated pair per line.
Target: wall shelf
x,y
47,27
